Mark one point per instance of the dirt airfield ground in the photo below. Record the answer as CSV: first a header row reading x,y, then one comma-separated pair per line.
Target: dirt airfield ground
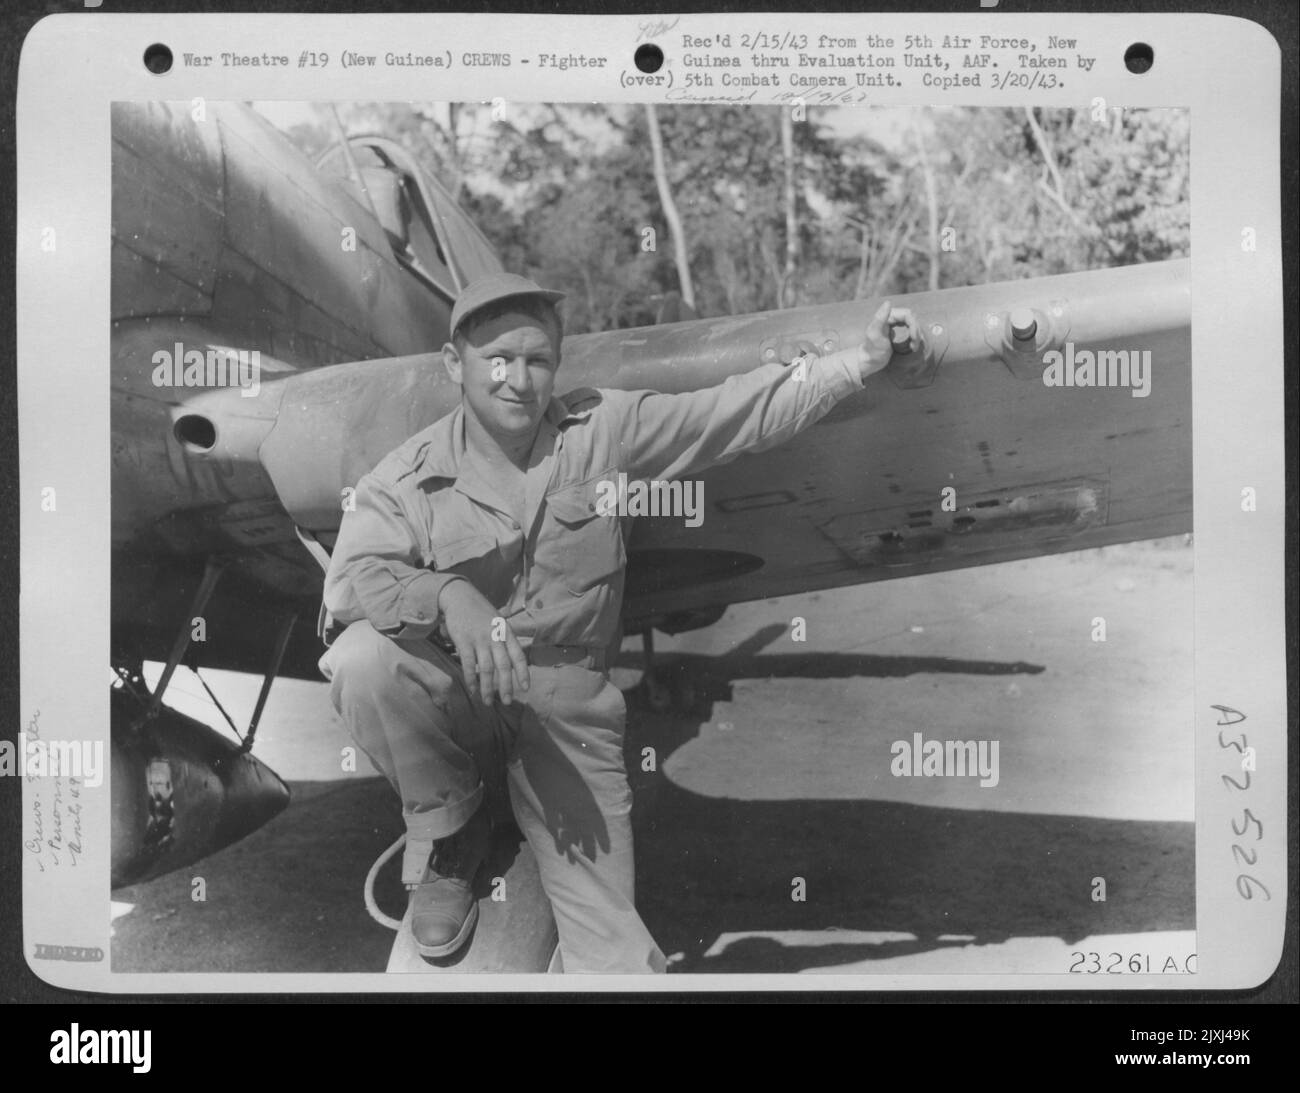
x,y
782,772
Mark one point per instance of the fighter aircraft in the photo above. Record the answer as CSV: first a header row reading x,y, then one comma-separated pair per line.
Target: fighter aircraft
x,y
339,276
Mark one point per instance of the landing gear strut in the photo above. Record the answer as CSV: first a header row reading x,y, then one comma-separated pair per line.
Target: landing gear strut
x,y
212,569
676,694
134,681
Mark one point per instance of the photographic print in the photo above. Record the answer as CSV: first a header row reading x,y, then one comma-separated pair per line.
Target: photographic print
x,y
651,537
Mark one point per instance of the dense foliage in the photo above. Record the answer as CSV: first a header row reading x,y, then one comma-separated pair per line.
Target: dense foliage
x,y
937,198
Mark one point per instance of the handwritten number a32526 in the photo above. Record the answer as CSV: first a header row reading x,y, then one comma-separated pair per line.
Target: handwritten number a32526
x,y
1241,853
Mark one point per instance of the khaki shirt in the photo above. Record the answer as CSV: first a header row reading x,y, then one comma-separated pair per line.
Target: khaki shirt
x,y
427,514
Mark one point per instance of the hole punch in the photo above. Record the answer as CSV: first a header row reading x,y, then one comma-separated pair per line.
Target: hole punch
x,y
649,57
1139,57
158,59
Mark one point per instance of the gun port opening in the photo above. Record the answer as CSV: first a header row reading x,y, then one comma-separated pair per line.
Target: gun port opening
x,y
195,433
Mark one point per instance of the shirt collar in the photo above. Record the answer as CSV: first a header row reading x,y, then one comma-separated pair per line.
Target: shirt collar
x,y
446,450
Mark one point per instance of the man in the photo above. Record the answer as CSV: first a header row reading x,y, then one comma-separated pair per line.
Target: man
x,y
483,534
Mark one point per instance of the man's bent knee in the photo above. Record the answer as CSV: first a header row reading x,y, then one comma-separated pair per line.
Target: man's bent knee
x,y
363,657
359,650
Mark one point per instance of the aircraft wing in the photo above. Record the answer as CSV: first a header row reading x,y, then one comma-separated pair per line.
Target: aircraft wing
x,y
960,454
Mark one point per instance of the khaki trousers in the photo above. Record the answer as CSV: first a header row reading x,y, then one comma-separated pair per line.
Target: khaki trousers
x,y
556,756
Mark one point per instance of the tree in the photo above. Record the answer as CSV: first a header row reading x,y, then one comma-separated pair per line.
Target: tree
x,y
763,212
669,207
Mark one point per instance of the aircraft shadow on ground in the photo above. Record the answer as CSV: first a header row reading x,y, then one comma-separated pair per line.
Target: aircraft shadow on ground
x,y
711,677
745,661
708,867
288,897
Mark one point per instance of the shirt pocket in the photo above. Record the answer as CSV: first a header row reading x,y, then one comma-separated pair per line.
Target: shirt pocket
x,y
456,552
588,539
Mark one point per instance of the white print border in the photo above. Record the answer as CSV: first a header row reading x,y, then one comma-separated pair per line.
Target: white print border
x,y
1225,70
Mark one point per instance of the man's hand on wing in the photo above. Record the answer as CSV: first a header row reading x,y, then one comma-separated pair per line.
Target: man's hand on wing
x,y
877,346
472,624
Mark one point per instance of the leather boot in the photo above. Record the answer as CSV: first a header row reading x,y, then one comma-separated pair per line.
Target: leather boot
x,y
443,908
